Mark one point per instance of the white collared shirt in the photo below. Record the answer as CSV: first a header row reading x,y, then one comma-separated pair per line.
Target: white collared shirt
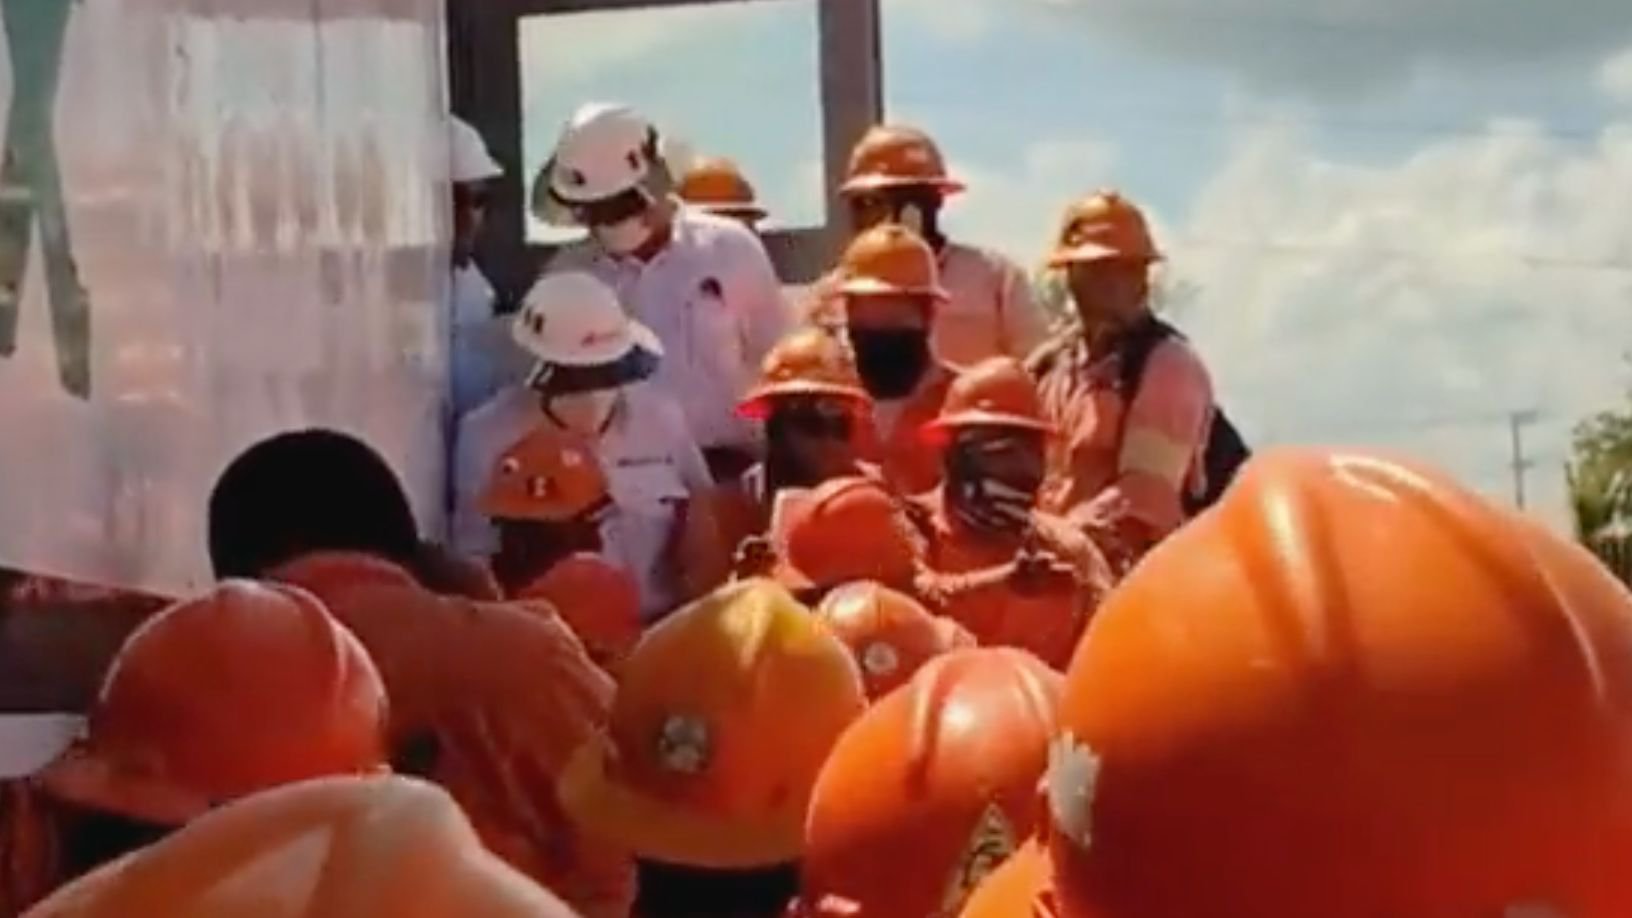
x,y
713,299
652,465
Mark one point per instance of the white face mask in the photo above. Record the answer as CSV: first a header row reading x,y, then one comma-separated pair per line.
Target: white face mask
x,y
623,237
585,413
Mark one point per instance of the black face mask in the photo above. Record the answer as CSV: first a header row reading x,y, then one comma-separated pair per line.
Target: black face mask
x,y
892,361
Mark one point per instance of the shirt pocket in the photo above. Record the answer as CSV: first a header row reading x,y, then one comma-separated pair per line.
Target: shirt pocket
x,y
714,329
646,487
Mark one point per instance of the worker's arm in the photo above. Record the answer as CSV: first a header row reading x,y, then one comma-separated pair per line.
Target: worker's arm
x,y
1162,436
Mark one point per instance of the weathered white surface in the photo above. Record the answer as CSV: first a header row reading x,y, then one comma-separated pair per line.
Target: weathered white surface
x,y
254,210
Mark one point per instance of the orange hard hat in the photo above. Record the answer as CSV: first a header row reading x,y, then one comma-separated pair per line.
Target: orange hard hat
x,y
808,361
896,156
545,476
933,787
997,392
1351,689
326,848
1023,887
715,184
848,529
1104,226
244,688
599,602
889,259
890,634
724,714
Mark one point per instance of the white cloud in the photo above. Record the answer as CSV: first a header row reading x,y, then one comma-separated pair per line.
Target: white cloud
x,y
582,46
1015,205
1615,77
1318,47
956,21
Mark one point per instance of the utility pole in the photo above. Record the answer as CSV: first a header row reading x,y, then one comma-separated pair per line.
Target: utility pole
x,y
1516,422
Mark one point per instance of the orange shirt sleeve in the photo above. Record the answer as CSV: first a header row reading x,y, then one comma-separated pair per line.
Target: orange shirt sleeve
x,y
1162,437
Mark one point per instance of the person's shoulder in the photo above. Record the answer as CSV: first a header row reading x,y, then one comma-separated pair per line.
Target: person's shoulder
x,y
984,256
1174,353
521,642
714,233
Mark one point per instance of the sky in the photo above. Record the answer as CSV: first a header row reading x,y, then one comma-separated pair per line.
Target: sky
x,y
1399,222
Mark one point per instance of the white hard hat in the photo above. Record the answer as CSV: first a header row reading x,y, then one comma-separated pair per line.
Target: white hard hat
x,y
471,161
604,150
571,319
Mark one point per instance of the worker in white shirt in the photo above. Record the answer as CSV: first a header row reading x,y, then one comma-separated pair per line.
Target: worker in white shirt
x,y
897,175
482,356
701,282
590,380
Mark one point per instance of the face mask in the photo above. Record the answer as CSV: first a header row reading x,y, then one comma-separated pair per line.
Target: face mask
x,y
984,500
583,413
623,237
806,447
891,361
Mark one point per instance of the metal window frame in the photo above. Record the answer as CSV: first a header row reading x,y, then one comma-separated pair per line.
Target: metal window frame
x,y
484,74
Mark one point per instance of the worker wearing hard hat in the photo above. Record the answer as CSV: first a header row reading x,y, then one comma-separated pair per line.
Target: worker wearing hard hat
x,y
379,847
897,175
931,789
1129,456
890,290
486,697
702,282
592,361
482,358
813,407
549,497
714,184
480,690
725,712
984,516
182,725
1352,689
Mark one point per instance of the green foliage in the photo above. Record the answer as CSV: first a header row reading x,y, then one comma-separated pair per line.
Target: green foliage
x,y
1600,482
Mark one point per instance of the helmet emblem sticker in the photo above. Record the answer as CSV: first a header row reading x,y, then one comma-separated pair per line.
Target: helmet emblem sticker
x,y
1073,773
683,745
880,659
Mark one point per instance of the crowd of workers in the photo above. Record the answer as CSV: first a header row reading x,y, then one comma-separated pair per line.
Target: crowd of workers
x,y
893,602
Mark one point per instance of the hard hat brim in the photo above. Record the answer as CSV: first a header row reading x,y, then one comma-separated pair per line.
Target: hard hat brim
x,y
735,211
865,184
867,286
637,365
494,508
639,337
90,781
756,406
657,830
1094,252
939,431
